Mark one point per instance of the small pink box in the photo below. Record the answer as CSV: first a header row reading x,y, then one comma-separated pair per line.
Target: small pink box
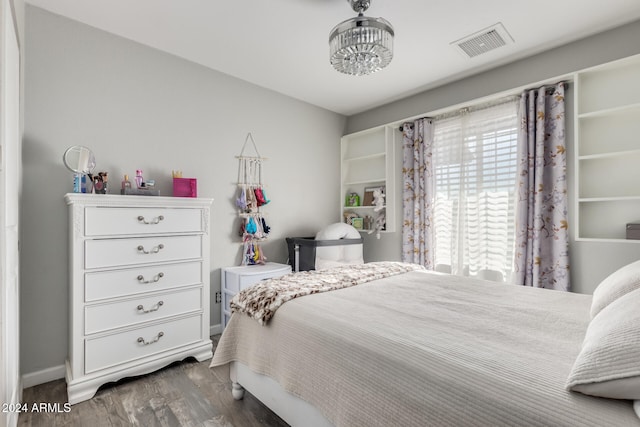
x,y
185,187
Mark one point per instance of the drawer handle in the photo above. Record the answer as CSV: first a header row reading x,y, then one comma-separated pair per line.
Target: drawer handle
x,y
155,220
155,279
156,339
154,308
155,249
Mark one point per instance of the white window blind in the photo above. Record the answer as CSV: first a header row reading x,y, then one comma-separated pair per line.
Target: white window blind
x,y
474,162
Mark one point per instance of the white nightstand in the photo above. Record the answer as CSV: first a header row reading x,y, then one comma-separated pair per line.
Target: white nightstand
x,y
235,279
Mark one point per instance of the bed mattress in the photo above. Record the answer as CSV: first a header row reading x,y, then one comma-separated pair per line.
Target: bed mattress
x,y
427,349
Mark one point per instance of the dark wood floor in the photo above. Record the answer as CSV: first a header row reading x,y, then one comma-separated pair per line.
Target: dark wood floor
x,y
187,393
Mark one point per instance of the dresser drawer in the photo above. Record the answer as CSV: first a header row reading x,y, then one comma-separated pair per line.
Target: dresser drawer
x,y
102,317
106,221
100,253
129,345
131,281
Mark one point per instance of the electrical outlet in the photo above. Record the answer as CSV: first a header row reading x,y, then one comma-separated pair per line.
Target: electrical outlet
x,y
218,297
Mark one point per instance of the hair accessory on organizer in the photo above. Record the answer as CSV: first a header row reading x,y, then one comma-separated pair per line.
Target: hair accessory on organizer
x,y
241,201
265,227
251,226
261,258
264,197
248,253
252,204
259,197
259,234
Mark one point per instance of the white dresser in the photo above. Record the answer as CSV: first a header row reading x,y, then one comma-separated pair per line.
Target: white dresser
x,y
235,279
139,286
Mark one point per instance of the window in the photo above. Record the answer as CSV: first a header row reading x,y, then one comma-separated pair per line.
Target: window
x,y
474,163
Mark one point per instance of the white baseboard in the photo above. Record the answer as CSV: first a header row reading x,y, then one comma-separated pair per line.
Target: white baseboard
x,y
215,329
58,372
43,376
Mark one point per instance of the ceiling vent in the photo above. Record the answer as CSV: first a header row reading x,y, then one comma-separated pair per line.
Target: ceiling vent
x,y
483,41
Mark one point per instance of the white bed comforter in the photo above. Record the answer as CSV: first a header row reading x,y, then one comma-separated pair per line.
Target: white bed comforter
x,y
424,349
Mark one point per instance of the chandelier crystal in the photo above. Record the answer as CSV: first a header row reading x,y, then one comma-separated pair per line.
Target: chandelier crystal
x,y
361,45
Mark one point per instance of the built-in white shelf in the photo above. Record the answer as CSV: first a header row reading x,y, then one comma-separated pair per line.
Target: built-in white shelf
x,y
623,153
368,162
610,111
607,164
367,157
366,181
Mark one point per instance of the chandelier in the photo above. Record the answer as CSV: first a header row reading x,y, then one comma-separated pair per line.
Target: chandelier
x,y
361,45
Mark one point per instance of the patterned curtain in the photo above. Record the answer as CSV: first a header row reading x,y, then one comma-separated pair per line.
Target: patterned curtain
x,y
542,237
418,191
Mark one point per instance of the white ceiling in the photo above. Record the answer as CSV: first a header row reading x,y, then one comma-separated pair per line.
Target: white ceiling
x,y
283,44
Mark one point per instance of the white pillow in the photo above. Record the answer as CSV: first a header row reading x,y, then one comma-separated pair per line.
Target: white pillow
x,y
636,407
609,362
339,254
617,284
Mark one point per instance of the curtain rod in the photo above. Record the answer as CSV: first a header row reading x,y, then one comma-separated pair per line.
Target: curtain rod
x,y
550,86
410,125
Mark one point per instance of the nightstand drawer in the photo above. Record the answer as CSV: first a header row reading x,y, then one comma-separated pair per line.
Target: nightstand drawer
x,y
239,278
102,317
227,300
236,279
131,281
100,253
134,344
104,221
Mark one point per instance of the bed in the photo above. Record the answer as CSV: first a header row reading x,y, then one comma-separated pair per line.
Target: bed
x,y
418,348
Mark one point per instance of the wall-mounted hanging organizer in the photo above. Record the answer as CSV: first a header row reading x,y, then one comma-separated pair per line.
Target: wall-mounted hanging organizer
x,y
250,201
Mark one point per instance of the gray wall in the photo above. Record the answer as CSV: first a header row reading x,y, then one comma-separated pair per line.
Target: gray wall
x,y
590,261
137,107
